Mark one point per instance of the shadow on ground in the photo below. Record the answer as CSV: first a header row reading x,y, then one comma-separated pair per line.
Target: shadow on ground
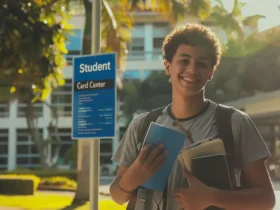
x,y
74,205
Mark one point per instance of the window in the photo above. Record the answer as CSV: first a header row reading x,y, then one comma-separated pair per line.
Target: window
x,y
160,30
61,99
157,45
106,151
106,146
136,48
22,108
122,131
4,142
157,42
137,45
4,110
27,153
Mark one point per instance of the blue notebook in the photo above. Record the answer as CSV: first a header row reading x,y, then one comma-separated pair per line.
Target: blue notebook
x,y
173,141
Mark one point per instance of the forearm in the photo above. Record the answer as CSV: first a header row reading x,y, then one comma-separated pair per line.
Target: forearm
x,y
249,199
122,188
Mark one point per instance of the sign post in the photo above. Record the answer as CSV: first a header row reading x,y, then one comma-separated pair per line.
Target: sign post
x,y
94,114
95,145
94,108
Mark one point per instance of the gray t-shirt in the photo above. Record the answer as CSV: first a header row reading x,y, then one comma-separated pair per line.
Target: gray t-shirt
x,y
248,147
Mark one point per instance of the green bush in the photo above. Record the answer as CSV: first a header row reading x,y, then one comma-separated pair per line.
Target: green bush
x,y
13,184
71,174
58,182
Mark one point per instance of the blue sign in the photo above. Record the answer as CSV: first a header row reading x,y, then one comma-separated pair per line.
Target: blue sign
x,y
94,96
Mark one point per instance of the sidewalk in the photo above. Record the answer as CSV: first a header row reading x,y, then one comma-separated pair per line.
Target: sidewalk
x,y
104,194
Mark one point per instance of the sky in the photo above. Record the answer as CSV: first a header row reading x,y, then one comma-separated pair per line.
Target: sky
x,y
268,8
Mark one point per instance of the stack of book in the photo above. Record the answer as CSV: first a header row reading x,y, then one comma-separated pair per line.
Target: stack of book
x,y
206,159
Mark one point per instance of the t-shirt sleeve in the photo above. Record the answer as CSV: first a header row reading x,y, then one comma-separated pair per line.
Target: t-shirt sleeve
x,y
126,152
252,147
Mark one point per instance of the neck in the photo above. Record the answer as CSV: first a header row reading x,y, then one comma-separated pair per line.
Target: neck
x,y
185,107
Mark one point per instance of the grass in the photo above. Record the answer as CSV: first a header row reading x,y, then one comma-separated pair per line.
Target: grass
x,y
41,201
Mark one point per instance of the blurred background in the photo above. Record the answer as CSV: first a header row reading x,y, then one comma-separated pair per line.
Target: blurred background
x,y
39,40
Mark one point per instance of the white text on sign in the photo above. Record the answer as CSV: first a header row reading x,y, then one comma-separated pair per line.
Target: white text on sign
x,y
95,67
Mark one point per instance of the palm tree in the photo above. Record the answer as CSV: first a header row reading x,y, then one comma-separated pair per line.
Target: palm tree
x,y
233,22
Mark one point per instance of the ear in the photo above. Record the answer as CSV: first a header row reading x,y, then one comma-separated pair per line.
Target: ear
x,y
167,67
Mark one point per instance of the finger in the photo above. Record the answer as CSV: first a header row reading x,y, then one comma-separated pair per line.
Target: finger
x,y
154,153
158,160
144,152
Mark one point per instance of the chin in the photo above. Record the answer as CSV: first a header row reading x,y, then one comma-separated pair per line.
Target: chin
x,y
193,92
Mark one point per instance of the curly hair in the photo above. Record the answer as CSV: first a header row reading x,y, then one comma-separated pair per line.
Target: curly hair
x,y
194,35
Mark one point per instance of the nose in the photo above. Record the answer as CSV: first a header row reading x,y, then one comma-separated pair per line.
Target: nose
x,y
191,68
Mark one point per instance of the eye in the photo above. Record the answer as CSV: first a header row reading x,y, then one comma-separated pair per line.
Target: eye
x,y
202,65
184,62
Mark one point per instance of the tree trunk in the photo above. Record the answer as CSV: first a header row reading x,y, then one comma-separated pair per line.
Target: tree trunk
x,y
83,159
42,145
35,134
55,140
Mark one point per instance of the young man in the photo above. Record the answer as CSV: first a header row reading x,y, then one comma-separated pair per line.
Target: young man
x,y
191,55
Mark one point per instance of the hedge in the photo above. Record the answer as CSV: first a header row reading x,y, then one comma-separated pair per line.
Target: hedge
x,y
71,174
13,184
58,183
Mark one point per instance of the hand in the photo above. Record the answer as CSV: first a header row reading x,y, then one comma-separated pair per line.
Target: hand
x,y
197,196
149,162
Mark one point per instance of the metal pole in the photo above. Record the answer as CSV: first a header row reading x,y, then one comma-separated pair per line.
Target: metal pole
x,y
95,143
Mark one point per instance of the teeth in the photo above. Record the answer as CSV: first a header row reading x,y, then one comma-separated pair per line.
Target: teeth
x,y
188,79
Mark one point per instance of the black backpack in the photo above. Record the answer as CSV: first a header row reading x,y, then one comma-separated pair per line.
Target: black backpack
x,y
223,120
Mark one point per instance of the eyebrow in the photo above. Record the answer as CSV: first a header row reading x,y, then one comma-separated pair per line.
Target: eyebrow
x,y
189,56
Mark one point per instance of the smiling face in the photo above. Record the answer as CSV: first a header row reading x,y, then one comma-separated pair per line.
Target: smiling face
x,y
190,69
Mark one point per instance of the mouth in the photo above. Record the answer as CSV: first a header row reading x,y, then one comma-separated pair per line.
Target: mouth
x,y
190,80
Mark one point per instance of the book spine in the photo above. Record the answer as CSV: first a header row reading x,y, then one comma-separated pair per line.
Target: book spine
x,y
213,208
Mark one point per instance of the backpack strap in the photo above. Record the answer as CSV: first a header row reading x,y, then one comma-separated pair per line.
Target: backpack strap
x,y
144,126
223,120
